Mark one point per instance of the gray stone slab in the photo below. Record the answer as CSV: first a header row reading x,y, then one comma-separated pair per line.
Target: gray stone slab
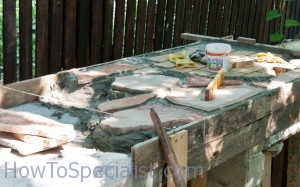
x,y
138,119
144,83
148,71
224,96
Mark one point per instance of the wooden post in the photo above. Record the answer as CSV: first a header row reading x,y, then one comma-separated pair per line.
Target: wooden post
x,y
167,149
267,169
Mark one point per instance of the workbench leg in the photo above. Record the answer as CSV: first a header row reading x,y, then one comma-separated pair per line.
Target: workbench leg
x,y
293,171
245,169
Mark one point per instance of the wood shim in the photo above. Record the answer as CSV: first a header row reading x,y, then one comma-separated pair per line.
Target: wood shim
x,y
214,84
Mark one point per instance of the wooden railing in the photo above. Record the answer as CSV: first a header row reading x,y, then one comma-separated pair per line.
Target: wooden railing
x,y
78,33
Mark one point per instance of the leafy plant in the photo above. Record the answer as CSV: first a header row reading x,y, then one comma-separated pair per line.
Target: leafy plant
x,y
284,23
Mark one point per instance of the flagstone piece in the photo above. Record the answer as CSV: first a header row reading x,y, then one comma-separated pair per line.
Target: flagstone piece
x,y
138,119
144,83
123,103
89,76
148,71
224,96
8,140
166,64
32,124
202,82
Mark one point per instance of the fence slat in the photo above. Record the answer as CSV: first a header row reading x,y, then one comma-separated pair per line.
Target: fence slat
x,y
42,15
96,31
297,14
226,18
129,30
203,18
107,32
234,15
251,19
169,24
288,16
119,29
9,41
256,24
262,22
69,39
159,25
140,27
149,44
196,16
178,22
219,18
212,13
187,16
56,18
239,20
246,18
83,32
25,67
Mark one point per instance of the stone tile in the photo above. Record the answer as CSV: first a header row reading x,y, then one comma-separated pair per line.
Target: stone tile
x,y
166,64
240,54
32,124
138,119
161,58
186,70
268,74
202,72
148,71
247,70
203,82
224,96
284,78
233,74
89,76
123,103
295,63
144,84
25,148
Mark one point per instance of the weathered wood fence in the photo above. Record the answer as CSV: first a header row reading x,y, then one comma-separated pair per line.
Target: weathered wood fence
x,y
77,33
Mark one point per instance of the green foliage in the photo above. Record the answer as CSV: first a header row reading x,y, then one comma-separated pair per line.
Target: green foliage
x,y
279,14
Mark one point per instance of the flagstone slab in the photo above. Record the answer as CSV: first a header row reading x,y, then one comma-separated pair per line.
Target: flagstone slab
x,y
144,83
123,103
284,78
224,96
138,119
148,71
24,148
202,82
186,70
166,64
268,74
247,70
89,76
32,124
233,74
201,72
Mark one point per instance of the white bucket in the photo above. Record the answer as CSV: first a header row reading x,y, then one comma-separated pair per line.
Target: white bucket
x,y
217,56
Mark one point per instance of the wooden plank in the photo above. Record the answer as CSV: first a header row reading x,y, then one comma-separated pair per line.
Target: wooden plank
x,y
25,68
196,16
168,151
107,32
69,38
279,164
140,27
159,25
287,15
96,31
129,28
179,142
199,181
42,44
226,18
55,33
293,167
119,29
252,123
262,23
266,32
266,182
169,24
178,23
83,32
149,44
9,41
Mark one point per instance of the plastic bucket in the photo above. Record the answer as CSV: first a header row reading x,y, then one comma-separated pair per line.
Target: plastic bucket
x,y
217,56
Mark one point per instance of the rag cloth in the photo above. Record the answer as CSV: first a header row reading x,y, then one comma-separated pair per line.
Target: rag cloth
x,y
269,57
182,60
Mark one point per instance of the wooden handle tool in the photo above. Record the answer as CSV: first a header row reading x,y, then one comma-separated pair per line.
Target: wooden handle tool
x,y
167,149
213,85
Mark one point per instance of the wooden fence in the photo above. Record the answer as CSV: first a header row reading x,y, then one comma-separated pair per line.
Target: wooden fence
x,y
77,33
